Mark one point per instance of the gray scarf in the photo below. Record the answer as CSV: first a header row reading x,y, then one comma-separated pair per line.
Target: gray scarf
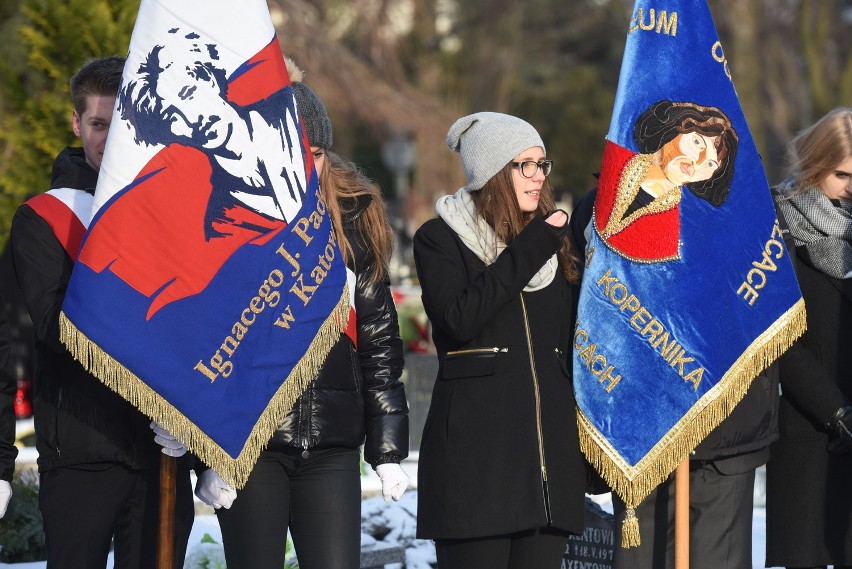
x,y
459,211
823,229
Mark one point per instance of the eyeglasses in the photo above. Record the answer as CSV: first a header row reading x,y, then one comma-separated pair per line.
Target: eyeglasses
x,y
529,168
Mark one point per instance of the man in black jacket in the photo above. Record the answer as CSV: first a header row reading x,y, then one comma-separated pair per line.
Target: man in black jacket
x,y
721,474
97,459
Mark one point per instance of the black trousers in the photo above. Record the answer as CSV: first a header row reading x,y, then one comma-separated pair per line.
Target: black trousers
x,y
720,523
318,498
85,508
534,549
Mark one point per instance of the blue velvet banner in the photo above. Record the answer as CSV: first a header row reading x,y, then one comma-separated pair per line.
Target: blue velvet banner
x,y
688,290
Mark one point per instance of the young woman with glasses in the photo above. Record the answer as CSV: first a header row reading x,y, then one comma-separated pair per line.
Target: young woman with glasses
x,y
500,476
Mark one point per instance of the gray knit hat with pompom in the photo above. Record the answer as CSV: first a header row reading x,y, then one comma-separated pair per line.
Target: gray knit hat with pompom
x,y
487,142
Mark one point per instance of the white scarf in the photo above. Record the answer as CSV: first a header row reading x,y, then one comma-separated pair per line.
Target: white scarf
x,y
459,211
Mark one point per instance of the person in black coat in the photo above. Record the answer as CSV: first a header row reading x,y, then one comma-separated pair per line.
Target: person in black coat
x,y
308,478
97,459
809,495
721,475
500,475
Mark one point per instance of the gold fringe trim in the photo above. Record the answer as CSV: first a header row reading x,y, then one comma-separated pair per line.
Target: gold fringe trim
x,y
235,471
633,483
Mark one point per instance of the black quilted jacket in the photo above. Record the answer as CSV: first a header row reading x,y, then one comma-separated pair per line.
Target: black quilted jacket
x,y
357,397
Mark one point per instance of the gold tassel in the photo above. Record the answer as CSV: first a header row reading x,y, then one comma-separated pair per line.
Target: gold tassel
x,y
630,529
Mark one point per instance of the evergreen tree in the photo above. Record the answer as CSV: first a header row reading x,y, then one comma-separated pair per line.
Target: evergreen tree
x,y
50,39
21,534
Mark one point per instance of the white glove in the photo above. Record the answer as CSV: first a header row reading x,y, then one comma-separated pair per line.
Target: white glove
x,y
394,481
214,491
171,446
5,496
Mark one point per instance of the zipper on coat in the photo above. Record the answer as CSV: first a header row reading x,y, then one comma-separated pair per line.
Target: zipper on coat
x,y
58,409
494,350
305,408
539,433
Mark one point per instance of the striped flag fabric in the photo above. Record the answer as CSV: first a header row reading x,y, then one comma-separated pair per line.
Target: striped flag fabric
x,y
209,286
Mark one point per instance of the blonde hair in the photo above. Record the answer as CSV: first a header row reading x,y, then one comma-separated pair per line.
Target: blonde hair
x,y
497,203
814,153
344,186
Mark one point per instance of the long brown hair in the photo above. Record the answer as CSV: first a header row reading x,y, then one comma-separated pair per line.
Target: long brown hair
x,y
497,203
344,186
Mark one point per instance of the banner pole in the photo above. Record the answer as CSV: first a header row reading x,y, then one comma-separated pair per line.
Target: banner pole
x,y
682,515
166,536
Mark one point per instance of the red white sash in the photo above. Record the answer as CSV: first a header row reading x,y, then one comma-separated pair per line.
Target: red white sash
x,y
68,213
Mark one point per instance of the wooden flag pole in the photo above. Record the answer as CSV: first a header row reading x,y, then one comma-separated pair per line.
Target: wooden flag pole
x,y
682,515
166,536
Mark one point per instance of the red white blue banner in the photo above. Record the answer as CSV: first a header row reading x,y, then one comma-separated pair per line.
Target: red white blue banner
x,y
688,290
209,286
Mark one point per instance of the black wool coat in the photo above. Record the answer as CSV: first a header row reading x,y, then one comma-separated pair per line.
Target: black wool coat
x,y
500,451
809,490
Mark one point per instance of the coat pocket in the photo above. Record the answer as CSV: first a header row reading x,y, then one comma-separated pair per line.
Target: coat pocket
x,y
563,363
475,362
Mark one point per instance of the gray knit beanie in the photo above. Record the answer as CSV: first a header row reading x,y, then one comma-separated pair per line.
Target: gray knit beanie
x,y
489,141
314,116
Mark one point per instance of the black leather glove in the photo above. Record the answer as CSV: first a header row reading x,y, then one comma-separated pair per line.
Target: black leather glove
x,y
840,430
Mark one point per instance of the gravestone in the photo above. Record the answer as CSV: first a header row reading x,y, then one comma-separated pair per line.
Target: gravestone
x,y
421,370
595,547
377,555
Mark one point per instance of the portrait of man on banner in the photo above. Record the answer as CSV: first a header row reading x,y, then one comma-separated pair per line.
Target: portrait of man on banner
x,y
252,184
